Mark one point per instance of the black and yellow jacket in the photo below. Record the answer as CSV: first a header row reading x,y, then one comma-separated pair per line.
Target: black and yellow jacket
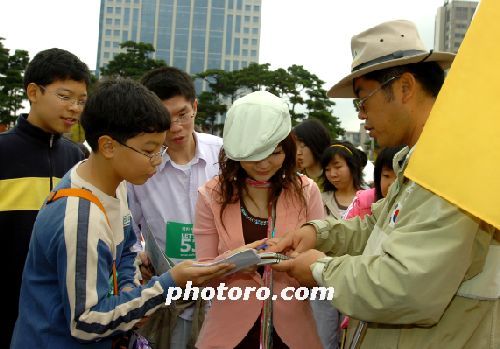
x,y
31,163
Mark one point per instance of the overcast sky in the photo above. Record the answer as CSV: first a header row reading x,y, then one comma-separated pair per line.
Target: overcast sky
x,y
312,33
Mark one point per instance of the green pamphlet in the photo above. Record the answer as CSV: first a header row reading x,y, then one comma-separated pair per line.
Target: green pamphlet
x,y
179,242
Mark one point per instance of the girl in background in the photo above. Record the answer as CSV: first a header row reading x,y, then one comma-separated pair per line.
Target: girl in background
x,y
312,140
343,170
383,176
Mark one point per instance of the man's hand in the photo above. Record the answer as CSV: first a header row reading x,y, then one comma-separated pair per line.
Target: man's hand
x,y
198,275
299,240
147,270
299,266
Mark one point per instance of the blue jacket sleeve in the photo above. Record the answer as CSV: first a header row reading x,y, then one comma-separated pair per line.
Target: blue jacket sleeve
x,y
128,273
84,267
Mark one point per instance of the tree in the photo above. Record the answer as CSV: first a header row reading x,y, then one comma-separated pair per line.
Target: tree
x,y
301,89
208,109
11,82
222,83
319,107
222,91
133,63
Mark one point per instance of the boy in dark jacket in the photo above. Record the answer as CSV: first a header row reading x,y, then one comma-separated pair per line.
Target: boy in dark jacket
x,y
34,157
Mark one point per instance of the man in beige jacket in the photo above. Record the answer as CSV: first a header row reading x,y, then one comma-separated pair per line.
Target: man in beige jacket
x,y
420,272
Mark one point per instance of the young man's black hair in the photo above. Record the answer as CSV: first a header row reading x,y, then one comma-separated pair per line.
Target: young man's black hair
x,y
55,64
168,82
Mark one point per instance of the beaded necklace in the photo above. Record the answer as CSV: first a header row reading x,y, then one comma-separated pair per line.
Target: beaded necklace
x,y
254,220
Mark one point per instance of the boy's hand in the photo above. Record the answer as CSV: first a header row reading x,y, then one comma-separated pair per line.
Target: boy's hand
x,y
147,270
185,271
299,240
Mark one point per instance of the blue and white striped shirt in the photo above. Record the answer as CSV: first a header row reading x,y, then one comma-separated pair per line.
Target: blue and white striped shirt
x,y
65,301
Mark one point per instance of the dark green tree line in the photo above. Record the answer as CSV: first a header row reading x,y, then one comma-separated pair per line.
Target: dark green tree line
x,y
300,88
11,82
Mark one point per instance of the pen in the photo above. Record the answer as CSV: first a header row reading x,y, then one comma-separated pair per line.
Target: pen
x,y
262,247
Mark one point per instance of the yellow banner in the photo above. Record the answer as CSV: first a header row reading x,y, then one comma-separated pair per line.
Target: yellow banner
x,y
458,153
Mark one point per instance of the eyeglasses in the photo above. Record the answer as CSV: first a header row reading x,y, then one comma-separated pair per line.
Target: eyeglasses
x,y
66,99
359,103
183,118
153,158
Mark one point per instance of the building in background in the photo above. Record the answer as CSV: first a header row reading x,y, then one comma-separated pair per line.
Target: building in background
x,y
192,35
452,21
353,137
360,139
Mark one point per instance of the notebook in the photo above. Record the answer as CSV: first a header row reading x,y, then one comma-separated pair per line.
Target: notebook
x,y
247,258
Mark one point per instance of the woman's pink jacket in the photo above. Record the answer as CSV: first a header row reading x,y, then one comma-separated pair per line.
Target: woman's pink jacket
x,y
227,322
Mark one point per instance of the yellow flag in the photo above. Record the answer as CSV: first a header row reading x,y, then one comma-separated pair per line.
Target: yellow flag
x,y
458,153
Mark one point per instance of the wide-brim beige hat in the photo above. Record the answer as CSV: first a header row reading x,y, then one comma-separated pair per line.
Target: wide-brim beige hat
x,y
255,125
386,45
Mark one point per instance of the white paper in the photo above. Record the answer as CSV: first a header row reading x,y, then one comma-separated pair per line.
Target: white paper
x,y
160,262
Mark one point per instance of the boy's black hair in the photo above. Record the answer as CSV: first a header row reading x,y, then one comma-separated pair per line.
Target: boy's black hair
x,y
429,74
55,64
384,159
122,109
168,82
314,135
355,159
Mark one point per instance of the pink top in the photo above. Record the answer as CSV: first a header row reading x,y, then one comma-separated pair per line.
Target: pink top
x,y
362,204
227,322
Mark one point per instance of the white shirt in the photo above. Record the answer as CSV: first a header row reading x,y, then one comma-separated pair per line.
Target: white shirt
x,y
171,194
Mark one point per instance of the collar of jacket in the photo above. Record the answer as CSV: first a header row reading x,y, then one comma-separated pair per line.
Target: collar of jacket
x,y
35,132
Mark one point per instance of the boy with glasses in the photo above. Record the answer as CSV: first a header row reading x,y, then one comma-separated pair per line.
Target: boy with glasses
x,y
83,235
34,156
419,272
166,203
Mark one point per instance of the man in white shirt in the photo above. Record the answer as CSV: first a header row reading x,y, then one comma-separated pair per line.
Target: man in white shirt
x,y
166,203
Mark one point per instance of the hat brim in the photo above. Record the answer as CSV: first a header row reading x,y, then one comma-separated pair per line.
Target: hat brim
x,y
254,157
344,88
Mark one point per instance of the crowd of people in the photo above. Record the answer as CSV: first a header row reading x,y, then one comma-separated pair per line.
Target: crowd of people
x,y
407,266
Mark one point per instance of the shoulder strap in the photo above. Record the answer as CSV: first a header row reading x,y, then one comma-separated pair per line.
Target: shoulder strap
x,y
87,195
82,193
